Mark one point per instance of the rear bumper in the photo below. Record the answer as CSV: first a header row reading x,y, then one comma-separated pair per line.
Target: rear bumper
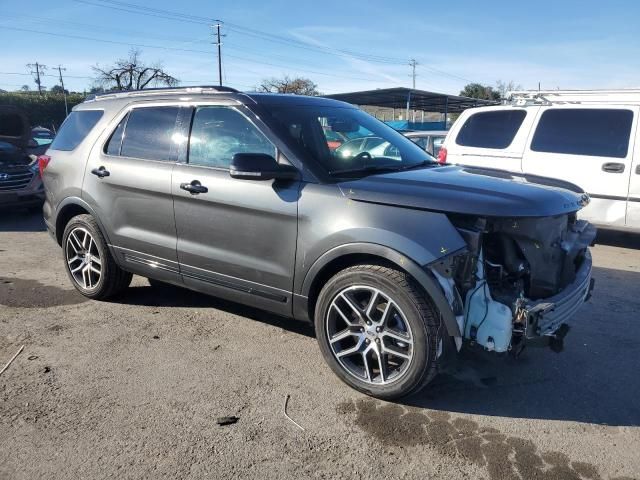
x,y
545,318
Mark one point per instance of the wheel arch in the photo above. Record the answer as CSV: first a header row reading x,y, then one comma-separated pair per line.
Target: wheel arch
x,y
69,208
344,256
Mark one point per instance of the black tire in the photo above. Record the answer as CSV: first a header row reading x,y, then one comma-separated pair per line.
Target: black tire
x,y
112,279
419,312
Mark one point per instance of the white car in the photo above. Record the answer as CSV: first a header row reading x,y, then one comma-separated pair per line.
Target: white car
x,y
587,138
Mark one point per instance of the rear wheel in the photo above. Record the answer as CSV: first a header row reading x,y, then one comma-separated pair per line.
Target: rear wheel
x,y
378,331
89,262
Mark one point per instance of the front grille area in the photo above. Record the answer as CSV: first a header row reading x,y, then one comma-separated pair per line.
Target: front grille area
x,y
15,179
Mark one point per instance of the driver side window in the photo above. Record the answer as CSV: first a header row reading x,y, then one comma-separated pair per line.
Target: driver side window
x,y
218,133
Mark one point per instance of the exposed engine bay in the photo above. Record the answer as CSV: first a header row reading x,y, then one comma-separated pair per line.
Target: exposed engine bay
x,y
519,279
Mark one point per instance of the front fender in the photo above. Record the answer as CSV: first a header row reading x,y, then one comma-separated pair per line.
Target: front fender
x,y
425,279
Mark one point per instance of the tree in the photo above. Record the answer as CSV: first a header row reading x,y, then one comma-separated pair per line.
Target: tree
x,y
504,88
59,90
298,86
477,90
132,74
25,88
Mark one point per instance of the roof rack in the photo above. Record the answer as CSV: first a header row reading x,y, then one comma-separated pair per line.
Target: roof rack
x,y
550,97
161,91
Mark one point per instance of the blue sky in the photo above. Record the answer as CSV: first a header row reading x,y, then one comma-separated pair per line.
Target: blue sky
x,y
342,46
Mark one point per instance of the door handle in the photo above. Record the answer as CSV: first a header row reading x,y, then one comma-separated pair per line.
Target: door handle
x,y
613,167
101,172
194,188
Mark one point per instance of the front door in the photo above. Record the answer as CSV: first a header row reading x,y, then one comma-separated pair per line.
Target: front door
x,y
128,183
236,238
590,146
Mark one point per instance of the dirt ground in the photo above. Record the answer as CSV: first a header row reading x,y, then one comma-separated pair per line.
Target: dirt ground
x,y
132,388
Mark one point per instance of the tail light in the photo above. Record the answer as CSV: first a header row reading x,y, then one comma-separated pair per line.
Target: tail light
x,y
442,155
43,161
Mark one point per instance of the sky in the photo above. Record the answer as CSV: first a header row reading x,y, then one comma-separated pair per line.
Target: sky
x,y
341,46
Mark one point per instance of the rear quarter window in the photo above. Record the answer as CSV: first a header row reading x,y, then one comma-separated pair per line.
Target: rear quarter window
x,y
580,131
75,128
493,129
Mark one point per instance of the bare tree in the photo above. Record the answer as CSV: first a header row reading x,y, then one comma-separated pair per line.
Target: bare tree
x,y
132,74
504,88
286,84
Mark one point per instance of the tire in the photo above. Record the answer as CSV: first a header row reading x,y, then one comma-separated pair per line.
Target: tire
x,y
401,340
88,261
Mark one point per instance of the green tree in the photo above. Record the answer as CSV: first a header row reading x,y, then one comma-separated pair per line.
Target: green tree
x,y
477,90
57,89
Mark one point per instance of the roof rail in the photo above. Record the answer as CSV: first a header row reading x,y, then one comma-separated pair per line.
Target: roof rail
x,y
549,97
161,91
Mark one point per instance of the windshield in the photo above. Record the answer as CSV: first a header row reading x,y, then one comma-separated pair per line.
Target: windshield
x,y
366,145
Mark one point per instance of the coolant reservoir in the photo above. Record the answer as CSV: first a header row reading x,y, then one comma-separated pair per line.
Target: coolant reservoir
x,y
488,320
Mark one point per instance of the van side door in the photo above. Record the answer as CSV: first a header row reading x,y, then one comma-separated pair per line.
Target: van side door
x,y
633,201
590,146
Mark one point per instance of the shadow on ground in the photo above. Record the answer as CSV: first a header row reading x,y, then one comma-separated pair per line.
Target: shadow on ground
x,y
173,296
21,220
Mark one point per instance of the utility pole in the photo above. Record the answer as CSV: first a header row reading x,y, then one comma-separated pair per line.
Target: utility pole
x,y
413,64
64,93
219,44
39,71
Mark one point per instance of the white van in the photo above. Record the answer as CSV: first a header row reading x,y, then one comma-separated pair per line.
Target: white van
x,y
589,138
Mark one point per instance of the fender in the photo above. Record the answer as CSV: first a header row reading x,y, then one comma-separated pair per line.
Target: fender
x,y
81,203
426,281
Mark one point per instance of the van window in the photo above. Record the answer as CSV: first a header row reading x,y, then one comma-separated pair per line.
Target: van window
x,y
115,142
75,128
577,131
149,134
493,129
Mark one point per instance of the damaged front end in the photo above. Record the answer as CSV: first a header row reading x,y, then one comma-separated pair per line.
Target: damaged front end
x,y
519,281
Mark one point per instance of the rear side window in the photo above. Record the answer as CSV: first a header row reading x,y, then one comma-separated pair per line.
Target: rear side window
x,y
495,129
75,128
115,142
149,134
577,131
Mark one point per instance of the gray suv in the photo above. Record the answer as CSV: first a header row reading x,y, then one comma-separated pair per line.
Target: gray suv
x,y
400,262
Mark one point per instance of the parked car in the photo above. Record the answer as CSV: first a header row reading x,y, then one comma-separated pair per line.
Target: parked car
x,y
587,138
334,139
20,183
430,141
399,263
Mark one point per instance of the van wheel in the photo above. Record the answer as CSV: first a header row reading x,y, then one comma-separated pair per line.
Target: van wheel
x,y
378,331
88,261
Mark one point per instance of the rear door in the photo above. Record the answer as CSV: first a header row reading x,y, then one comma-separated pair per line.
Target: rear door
x,y
128,183
591,146
491,137
237,239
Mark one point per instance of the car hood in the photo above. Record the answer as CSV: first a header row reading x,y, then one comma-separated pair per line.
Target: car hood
x,y
469,191
14,126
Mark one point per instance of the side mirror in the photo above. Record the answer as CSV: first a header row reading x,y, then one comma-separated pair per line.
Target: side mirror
x,y
260,166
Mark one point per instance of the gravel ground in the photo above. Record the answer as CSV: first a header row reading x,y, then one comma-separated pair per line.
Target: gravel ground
x,y
132,388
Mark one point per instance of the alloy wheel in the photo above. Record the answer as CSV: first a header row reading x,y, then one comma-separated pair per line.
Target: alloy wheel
x,y
369,335
83,258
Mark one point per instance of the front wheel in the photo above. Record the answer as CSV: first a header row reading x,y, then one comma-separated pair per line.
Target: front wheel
x,y
378,331
88,261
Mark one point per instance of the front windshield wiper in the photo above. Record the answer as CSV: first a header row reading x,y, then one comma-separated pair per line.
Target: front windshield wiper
x,y
424,163
384,168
